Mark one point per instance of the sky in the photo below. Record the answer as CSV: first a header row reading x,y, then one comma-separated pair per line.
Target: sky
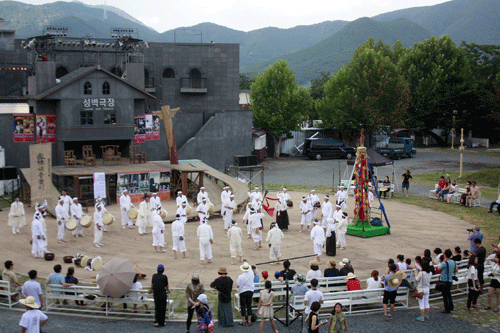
x,y
163,15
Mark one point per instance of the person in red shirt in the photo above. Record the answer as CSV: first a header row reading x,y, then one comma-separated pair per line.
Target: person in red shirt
x,y
352,282
441,185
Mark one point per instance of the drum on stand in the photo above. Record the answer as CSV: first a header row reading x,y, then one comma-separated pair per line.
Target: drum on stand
x,y
107,219
71,224
86,221
132,213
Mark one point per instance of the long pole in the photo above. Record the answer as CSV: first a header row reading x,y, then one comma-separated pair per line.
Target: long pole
x,y
461,151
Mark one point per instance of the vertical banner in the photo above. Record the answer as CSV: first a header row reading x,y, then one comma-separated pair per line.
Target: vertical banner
x,y
139,183
41,172
156,128
149,126
46,128
24,128
139,129
99,185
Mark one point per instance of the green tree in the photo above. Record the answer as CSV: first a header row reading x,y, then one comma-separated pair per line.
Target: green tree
x,y
438,75
279,105
317,91
394,54
246,81
368,92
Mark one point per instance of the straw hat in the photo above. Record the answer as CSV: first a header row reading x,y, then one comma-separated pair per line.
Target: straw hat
x,y
30,302
331,263
345,261
396,279
222,270
245,267
351,276
313,263
341,265
299,279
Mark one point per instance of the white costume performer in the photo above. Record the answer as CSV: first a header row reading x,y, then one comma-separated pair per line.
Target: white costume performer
x,y
234,234
202,194
41,209
62,217
245,219
285,195
342,198
98,225
224,198
179,243
274,237
67,203
158,230
37,236
332,228
77,214
229,207
341,231
318,238
337,214
370,198
143,217
313,200
203,210
99,201
125,206
180,199
306,212
326,211
16,216
181,211
255,221
255,197
206,237
155,200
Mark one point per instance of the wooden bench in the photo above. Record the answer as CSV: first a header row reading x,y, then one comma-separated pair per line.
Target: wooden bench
x,y
110,153
455,197
104,305
136,155
6,295
69,158
88,156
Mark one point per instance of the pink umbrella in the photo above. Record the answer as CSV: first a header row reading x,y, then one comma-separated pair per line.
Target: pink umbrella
x,y
116,277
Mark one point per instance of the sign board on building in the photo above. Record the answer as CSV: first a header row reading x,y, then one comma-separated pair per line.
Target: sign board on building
x,y
99,185
24,128
139,183
41,172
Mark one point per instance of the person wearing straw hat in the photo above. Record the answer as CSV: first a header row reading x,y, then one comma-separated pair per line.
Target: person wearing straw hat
x,y
16,216
33,318
391,283
342,197
352,282
306,212
180,199
235,235
98,225
181,211
206,236
341,231
274,237
61,216
203,194
144,215
224,284
179,243
125,206
318,238
37,236
77,214
229,207
313,200
203,210
246,288
326,211
158,230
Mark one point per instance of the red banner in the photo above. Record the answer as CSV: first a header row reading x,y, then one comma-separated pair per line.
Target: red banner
x,y
24,128
45,128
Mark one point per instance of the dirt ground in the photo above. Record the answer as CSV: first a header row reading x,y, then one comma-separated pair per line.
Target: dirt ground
x,y
413,229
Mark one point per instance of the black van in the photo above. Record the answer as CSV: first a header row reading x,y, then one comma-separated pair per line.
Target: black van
x,y
327,148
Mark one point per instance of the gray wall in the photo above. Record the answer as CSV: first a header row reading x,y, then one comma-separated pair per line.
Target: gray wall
x,y
16,154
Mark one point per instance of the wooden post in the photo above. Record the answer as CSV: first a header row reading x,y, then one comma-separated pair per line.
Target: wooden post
x,y
202,175
461,151
166,113
184,176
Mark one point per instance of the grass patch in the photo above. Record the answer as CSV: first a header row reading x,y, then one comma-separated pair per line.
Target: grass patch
x,y
299,188
474,151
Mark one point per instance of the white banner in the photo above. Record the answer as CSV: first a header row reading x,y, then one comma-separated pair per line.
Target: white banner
x,y
99,185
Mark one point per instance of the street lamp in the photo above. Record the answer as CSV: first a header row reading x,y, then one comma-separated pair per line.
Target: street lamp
x,y
453,130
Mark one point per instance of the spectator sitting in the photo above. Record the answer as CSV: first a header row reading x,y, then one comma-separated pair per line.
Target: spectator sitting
x,y
299,289
332,270
276,276
463,197
374,281
497,203
401,262
445,190
437,253
427,256
439,260
314,272
389,263
265,275
452,191
408,264
386,187
353,282
136,285
70,281
56,278
347,268
287,273
473,194
9,275
458,254
439,189
33,288
466,254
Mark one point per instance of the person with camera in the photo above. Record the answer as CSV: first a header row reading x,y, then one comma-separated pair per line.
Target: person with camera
x,y
448,267
473,234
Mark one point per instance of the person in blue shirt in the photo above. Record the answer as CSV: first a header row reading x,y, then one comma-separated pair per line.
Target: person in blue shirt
x,y
448,267
472,237
389,293
56,278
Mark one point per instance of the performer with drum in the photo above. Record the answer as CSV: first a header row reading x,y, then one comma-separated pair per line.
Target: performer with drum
x,y
203,210
180,198
144,215
67,202
229,207
126,205
16,216
62,217
224,198
202,194
182,212
314,201
98,225
99,201
326,211
77,214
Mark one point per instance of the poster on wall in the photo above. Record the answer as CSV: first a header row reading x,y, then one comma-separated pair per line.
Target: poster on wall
x,y
156,128
139,129
139,183
99,185
149,126
45,128
24,128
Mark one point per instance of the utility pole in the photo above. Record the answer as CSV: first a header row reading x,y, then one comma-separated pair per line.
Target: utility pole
x,y
461,151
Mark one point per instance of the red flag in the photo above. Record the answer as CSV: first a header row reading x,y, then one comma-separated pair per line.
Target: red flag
x,y
268,210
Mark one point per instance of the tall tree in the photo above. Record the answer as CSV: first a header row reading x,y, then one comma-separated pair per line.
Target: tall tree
x,y
279,105
317,91
394,54
246,81
368,92
438,74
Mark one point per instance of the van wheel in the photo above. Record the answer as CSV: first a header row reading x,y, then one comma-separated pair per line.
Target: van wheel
x,y
318,156
396,157
410,155
349,156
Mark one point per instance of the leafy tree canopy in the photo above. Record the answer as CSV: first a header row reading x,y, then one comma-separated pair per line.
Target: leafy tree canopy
x,y
246,81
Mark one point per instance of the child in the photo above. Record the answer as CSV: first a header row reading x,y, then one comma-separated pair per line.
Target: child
x,y
312,319
265,309
338,321
265,275
408,264
276,276
472,282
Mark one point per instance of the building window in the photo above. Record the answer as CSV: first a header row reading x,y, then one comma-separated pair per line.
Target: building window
x,y
110,118
86,117
60,72
87,88
168,73
195,78
106,89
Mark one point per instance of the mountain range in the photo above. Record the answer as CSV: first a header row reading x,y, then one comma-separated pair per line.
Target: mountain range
x,y
310,49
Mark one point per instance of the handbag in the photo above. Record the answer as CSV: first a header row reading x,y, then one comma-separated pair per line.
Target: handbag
x,y
418,295
441,285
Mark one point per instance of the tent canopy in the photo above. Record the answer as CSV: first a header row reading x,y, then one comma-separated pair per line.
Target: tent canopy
x,y
374,159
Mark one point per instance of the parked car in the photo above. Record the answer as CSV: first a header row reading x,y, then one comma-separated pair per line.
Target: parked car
x,y
327,148
398,147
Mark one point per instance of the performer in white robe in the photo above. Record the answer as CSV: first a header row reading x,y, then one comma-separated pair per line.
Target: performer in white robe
x,y
318,238
206,236
229,207
202,194
41,209
313,200
37,236
77,214
203,210
101,202
341,231
255,220
370,196
62,217
224,198
180,199
342,197
158,230
125,206
286,196
235,236
179,243
67,202
144,215
306,212
255,196
98,225
326,211
155,200
181,211
247,222
16,216
274,237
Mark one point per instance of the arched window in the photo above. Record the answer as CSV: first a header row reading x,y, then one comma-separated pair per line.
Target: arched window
x,y
195,78
117,71
168,73
60,72
87,88
106,89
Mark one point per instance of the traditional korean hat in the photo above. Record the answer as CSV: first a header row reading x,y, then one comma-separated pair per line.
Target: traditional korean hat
x,y
327,197
124,190
316,221
202,188
304,198
179,192
75,198
233,222
313,190
338,206
184,203
225,187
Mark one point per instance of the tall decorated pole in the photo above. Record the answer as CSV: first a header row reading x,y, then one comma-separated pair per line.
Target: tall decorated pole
x,y
362,207
166,114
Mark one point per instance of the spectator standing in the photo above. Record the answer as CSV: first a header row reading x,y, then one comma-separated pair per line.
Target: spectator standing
x,y
338,320
193,290
423,280
312,318
472,283
313,295
16,216
245,289
437,251
159,289
458,254
472,238
224,284
33,288
481,257
203,313
265,310
447,267
391,284
406,181
494,283
56,278
9,275
33,318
